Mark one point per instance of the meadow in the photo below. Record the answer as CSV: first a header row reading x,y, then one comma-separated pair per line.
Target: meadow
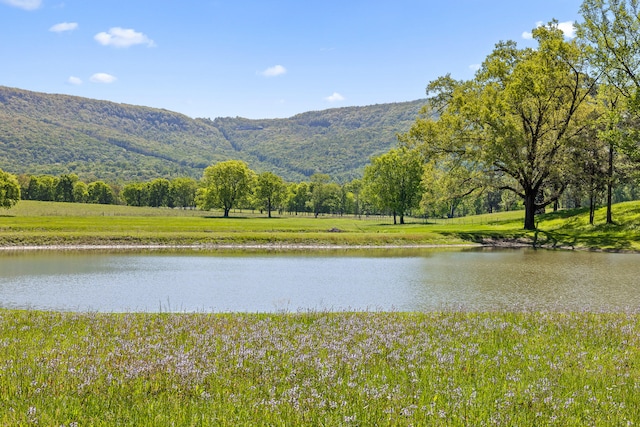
x,y
337,369
32,223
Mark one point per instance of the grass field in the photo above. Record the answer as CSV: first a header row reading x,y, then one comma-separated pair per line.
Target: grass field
x,y
334,369
49,223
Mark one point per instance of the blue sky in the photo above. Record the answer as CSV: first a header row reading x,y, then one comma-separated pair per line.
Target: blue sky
x,y
256,58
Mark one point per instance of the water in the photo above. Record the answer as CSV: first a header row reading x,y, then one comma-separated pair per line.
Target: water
x,y
401,280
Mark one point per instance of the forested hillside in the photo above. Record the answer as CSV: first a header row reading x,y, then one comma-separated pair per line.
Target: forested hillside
x,y
56,134
338,142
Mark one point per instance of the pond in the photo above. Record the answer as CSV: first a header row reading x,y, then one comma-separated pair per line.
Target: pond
x,y
326,280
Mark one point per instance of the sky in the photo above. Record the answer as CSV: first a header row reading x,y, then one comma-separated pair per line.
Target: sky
x,y
257,58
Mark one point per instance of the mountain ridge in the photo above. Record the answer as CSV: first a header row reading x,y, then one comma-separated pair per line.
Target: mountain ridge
x,y
56,133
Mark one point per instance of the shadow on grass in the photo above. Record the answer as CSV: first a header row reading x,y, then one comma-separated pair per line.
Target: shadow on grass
x,y
604,242
7,216
563,214
226,217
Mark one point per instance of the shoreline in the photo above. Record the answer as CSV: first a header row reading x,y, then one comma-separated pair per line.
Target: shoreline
x,y
492,243
238,246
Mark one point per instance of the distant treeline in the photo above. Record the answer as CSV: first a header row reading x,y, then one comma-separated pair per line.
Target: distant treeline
x,y
318,196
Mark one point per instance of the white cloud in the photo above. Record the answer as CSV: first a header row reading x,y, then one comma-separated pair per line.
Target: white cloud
x,y
74,80
102,78
276,70
567,28
23,4
335,97
122,37
64,26
474,67
527,35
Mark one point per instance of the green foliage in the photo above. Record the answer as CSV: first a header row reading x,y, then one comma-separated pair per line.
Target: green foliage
x,y
182,192
612,30
298,197
446,186
136,194
158,192
270,191
64,187
80,192
98,140
100,192
393,181
225,185
336,142
42,188
9,190
516,121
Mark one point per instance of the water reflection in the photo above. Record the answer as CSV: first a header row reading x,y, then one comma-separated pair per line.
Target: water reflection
x,y
258,281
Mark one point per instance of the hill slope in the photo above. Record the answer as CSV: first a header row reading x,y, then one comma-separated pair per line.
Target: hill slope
x,y
45,133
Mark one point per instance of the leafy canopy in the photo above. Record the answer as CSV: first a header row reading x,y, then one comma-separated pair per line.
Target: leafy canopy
x,y
225,185
516,121
9,190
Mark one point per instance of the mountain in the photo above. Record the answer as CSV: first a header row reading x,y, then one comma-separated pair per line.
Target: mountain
x,y
54,134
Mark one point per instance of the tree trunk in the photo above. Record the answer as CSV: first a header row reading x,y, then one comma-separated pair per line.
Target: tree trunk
x,y
226,212
530,210
610,186
394,219
592,208
401,219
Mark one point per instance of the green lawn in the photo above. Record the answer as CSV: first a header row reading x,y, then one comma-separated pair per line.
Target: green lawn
x,y
49,223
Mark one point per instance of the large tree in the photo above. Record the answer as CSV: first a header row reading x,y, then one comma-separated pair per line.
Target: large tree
x,y
270,191
225,185
9,190
321,191
517,119
611,29
298,197
393,181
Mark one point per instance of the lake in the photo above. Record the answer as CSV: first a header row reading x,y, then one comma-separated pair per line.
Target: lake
x,y
324,280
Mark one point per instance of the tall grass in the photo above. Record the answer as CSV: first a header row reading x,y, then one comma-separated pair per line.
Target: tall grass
x,y
441,369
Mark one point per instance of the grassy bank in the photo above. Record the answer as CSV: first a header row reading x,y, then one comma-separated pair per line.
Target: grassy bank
x,y
450,369
48,223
